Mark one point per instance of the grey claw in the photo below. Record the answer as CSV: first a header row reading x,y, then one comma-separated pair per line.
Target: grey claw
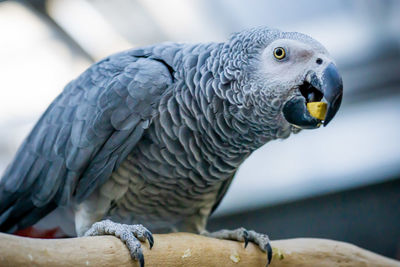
x,y
150,238
241,234
246,238
269,253
141,259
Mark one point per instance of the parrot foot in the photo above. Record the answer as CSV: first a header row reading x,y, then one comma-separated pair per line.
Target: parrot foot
x,y
129,234
246,236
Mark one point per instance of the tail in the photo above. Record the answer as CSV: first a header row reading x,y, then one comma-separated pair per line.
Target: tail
x,y
18,212
39,233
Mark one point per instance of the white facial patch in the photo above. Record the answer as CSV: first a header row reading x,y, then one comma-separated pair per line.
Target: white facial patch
x,y
290,71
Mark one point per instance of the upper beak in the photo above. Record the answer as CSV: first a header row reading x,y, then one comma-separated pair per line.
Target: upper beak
x,y
328,86
332,88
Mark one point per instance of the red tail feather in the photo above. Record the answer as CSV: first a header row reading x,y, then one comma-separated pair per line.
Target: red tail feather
x,y
41,233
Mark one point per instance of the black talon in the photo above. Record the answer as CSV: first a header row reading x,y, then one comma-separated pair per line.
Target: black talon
x,y
246,238
269,253
141,259
150,238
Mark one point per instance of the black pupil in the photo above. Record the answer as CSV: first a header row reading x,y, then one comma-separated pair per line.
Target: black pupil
x,y
279,52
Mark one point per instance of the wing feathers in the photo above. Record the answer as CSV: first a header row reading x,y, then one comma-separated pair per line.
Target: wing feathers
x,y
82,137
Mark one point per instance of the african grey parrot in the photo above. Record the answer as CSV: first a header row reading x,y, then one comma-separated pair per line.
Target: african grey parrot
x,y
155,135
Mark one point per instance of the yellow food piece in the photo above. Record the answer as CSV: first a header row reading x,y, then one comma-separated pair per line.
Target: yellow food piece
x,y
187,253
317,109
277,254
235,257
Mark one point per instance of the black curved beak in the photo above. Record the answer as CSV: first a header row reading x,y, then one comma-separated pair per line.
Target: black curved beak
x,y
328,87
332,88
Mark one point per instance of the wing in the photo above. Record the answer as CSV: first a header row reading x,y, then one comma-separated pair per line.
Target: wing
x,y
221,193
82,137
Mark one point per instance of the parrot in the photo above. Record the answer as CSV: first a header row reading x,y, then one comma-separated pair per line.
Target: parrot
x,y
148,140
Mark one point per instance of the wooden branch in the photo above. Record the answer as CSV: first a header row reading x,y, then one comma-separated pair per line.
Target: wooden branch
x,y
182,249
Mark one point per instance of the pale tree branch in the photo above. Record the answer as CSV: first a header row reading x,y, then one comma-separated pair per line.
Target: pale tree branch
x,y
182,249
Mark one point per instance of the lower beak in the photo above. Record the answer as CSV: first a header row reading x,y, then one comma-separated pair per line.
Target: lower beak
x,y
296,113
331,86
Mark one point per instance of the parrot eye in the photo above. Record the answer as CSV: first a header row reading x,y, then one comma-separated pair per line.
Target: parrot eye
x,y
279,53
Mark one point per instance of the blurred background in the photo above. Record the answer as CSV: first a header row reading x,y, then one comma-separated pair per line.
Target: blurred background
x,y
340,182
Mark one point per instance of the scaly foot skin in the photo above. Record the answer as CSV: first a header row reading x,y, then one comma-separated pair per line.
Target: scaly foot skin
x,y
245,236
129,234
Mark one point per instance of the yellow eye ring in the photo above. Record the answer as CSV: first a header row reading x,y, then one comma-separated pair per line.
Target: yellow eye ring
x,y
279,53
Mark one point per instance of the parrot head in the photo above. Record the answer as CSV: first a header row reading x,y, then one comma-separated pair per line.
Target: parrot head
x,y
286,71
305,73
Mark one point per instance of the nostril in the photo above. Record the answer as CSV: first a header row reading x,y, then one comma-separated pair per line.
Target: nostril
x,y
319,61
